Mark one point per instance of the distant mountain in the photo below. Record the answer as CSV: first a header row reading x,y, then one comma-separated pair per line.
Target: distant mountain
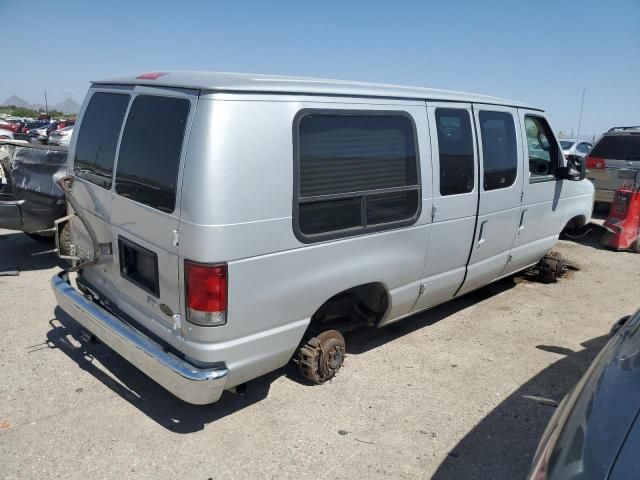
x,y
16,101
68,106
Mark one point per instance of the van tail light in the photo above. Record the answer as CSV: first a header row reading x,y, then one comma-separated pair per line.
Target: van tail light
x,y
206,293
595,163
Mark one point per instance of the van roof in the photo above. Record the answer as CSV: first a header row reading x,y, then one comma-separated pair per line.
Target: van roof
x,y
259,83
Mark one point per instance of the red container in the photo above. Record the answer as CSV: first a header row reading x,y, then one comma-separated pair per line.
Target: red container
x,y
623,222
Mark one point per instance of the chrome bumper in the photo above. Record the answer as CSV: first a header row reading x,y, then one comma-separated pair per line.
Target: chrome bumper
x,y
193,385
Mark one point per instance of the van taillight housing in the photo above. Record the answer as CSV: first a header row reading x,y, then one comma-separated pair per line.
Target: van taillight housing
x,y
594,163
206,293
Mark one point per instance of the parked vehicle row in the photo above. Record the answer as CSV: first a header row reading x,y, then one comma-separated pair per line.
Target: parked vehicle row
x,y
367,203
40,130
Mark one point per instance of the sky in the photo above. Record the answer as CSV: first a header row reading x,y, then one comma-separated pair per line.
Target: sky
x,y
540,52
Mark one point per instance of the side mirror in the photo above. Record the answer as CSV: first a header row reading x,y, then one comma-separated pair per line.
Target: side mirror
x,y
575,169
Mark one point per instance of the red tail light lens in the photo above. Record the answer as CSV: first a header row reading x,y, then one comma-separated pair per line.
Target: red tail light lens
x,y
595,163
206,293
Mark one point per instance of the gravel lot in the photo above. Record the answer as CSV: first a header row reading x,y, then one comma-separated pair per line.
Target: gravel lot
x,y
463,391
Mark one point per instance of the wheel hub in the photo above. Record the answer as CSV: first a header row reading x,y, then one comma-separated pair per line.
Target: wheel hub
x,y
322,357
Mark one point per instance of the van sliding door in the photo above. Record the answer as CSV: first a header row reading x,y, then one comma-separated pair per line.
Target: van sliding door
x,y
455,201
500,149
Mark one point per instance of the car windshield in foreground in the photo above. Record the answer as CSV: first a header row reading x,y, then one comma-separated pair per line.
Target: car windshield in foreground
x,y
566,144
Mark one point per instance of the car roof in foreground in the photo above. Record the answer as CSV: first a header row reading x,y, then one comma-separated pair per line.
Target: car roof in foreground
x,y
258,83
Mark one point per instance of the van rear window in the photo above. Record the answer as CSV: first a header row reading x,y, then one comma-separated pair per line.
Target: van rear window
x,y
618,147
356,172
150,150
98,137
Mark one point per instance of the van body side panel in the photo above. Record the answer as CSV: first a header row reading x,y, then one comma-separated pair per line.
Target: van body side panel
x,y
237,209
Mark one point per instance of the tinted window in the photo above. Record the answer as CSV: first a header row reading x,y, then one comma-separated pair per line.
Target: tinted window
x,y
355,172
618,147
98,137
566,144
455,144
150,151
542,149
499,151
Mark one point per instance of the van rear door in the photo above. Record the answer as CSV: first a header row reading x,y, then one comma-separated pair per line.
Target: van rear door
x,y
143,207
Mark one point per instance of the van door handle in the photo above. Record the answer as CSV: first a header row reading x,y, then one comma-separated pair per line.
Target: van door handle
x,y
481,238
521,226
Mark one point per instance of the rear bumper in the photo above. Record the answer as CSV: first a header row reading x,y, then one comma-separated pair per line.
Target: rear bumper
x,y
605,196
195,385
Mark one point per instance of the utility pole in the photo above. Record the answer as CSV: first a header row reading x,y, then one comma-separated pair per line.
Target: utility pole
x,y
46,105
580,118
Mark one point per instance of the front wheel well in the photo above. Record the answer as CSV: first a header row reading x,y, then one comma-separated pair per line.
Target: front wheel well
x,y
576,222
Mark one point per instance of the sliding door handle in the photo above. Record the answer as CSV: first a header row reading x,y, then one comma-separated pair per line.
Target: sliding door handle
x,y
481,238
521,226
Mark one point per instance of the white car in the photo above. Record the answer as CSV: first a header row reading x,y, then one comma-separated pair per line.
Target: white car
x,y
61,137
249,220
6,134
573,147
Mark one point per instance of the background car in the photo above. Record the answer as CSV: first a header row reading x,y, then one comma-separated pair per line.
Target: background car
x,y
6,125
595,431
5,134
40,134
33,125
614,159
573,147
61,137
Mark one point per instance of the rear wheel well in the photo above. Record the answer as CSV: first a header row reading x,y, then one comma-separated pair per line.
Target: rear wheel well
x,y
357,306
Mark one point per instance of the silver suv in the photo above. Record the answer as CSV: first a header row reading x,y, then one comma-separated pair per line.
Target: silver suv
x,y
614,159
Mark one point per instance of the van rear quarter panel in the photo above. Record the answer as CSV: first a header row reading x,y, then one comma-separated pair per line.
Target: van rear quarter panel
x,y
236,207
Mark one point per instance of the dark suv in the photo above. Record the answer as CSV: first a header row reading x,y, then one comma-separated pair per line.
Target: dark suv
x,y
613,160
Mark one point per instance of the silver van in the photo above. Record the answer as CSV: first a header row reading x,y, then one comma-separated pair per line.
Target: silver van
x,y
224,224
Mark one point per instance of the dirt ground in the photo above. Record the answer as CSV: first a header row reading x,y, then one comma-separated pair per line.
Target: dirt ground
x,y
460,392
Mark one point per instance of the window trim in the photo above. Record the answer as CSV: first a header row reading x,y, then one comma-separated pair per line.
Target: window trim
x,y
482,172
182,155
474,150
362,229
80,120
548,177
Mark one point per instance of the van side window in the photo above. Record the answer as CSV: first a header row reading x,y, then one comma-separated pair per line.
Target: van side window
x,y
499,150
455,144
149,157
356,173
98,137
542,148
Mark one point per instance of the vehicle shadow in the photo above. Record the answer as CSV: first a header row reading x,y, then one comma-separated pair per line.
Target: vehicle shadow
x,y
21,252
363,340
180,417
502,445
143,393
